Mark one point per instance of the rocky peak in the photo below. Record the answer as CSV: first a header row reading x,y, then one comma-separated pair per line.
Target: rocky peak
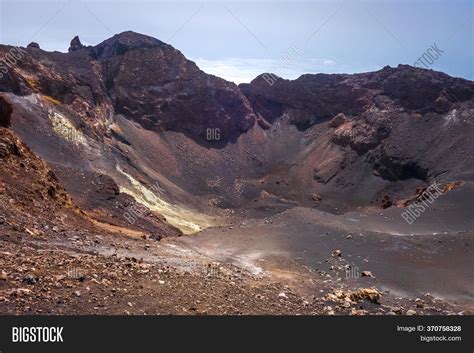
x,y
125,41
33,45
75,44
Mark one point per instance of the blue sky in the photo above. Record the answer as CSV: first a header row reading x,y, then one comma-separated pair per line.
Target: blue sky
x,y
239,40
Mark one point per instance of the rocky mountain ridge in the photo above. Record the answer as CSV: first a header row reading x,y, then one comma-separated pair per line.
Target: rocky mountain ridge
x,y
136,111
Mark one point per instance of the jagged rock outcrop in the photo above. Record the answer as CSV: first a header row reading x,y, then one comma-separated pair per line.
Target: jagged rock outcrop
x,y
75,44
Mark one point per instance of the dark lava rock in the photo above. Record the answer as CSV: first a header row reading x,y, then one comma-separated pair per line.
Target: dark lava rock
x,y
29,279
75,44
5,112
386,201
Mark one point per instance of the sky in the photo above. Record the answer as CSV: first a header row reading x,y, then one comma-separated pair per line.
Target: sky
x,y
240,40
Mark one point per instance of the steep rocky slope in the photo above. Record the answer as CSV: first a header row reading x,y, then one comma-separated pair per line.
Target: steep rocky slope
x,y
34,201
31,198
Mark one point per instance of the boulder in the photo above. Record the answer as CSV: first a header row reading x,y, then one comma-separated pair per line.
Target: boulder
x,y
338,120
336,253
367,274
371,294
